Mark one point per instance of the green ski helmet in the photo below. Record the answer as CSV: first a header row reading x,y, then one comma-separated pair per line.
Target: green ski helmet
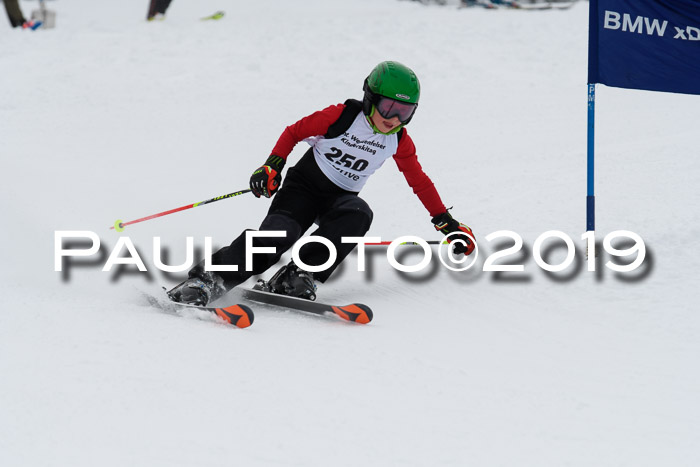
x,y
393,90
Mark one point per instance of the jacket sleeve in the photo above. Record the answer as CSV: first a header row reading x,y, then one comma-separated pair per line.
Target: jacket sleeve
x,y
313,125
407,161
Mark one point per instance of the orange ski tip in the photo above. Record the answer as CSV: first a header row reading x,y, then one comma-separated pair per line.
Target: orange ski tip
x,y
357,313
223,315
239,315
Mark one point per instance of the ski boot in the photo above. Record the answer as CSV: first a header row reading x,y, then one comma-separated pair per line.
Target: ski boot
x,y
290,280
200,289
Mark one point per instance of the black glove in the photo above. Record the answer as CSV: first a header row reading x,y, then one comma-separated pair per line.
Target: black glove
x,y
266,179
447,225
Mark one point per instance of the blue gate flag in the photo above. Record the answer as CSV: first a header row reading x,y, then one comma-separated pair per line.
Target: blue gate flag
x,y
645,44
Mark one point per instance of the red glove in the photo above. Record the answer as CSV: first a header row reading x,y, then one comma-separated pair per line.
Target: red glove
x,y
266,179
446,224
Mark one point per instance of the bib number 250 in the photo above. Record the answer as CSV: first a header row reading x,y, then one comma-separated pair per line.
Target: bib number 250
x,y
346,160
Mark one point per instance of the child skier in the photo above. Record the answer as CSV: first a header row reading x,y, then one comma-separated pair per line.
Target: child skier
x,y
349,142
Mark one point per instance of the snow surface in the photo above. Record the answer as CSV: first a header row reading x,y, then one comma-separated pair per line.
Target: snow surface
x,y
109,117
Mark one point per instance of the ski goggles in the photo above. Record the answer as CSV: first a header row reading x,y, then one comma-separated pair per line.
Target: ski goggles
x,y
389,108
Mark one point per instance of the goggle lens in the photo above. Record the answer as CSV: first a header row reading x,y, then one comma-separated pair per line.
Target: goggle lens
x,y
389,108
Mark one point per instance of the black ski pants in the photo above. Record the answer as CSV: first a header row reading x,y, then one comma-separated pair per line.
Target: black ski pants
x,y
157,6
306,197
14,13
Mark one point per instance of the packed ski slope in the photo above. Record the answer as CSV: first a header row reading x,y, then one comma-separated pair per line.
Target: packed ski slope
x,y
108,117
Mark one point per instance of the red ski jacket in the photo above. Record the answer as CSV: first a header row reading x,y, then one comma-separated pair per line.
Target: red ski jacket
x,y
317,124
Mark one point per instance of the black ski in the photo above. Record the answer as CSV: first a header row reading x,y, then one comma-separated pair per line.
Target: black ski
x,y
238,315
355,312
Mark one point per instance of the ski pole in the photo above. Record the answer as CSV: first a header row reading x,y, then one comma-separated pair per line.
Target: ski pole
x,y
119,224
